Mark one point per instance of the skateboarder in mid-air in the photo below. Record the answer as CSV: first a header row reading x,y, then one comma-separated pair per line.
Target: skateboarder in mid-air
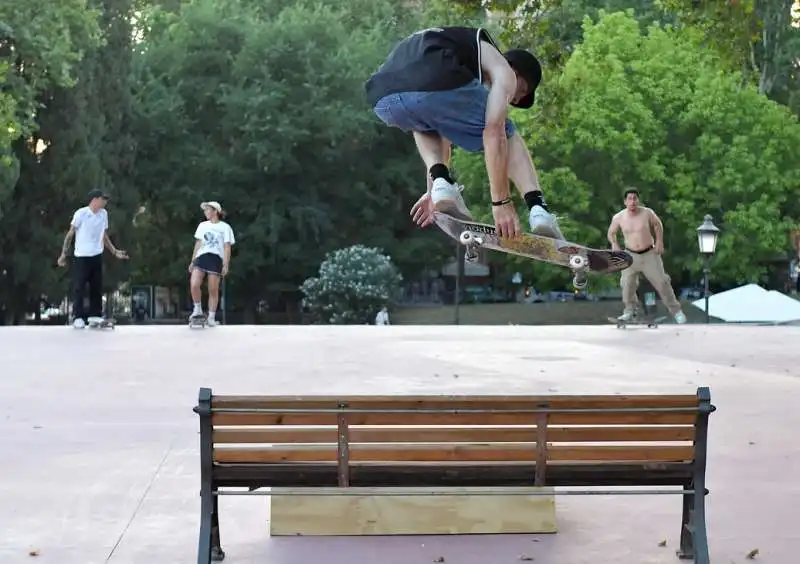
x,y
433,84
638,224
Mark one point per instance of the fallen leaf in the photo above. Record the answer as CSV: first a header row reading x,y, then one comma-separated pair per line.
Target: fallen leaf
x,y
663,543
34,552
439,559
752,554
525,558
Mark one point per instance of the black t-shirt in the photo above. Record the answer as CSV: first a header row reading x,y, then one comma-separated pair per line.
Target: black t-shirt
x,y
438,58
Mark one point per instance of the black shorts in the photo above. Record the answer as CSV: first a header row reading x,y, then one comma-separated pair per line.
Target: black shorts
x,y
209,263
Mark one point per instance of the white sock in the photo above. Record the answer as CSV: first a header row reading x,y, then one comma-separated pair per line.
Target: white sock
x,y
211,314
198,308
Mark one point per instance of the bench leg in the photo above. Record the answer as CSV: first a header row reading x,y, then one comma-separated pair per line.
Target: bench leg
x,y
694,539
206,518
217,554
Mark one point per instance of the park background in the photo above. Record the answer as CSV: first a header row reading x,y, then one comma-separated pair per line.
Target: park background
x,y
259,104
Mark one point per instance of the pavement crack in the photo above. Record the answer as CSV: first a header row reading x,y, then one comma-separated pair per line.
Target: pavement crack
x,y
141,501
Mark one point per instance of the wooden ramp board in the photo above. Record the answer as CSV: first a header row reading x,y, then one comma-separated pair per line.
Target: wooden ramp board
x,y
441,512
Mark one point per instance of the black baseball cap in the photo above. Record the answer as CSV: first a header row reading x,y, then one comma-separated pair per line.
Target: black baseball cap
x,y
529,68
97,193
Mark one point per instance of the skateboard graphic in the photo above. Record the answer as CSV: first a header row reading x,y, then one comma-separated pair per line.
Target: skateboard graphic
x,y
651,323
103,324
578,258
198,321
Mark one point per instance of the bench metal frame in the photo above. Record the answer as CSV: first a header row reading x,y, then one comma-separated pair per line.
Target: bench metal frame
x,y
520,479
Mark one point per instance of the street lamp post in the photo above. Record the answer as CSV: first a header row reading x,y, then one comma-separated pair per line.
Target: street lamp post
x,y
707,235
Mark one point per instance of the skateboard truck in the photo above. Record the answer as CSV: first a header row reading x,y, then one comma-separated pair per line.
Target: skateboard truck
x,y
578,264
471,242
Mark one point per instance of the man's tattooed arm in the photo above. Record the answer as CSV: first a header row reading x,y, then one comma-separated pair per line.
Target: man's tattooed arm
x,y
67,240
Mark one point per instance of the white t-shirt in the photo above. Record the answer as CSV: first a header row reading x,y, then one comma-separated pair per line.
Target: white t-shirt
x,y
89,230
213,236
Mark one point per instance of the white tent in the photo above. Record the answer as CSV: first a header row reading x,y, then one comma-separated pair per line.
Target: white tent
x,y
751,304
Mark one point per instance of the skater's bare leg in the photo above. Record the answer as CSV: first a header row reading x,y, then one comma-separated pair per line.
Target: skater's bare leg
x,y
196,288
522,173
213,293
521,169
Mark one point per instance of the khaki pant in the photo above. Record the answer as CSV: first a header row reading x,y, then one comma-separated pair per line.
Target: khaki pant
x,y
651,265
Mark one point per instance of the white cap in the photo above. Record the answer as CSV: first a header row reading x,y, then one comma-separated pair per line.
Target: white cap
x,y
215,205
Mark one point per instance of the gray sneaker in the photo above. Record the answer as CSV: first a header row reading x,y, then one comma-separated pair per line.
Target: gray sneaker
x,y
544,223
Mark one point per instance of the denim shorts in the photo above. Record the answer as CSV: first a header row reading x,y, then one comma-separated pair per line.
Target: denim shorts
x,y
457,115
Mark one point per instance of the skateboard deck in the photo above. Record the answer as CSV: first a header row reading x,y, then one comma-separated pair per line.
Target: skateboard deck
x,y
105,324
651,323
199,321
578,258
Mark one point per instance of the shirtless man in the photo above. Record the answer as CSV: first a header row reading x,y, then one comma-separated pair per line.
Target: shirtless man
x,y
453,86
638,223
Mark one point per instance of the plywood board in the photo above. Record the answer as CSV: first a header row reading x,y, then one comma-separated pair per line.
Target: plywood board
x,y
462,511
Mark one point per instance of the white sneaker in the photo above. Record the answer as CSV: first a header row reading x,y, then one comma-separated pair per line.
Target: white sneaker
x,y
447,198
94,320
680,317
211,322
544,223
78,323
627,316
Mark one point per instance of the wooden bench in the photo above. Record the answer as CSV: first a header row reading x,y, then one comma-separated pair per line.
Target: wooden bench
x,y
397,445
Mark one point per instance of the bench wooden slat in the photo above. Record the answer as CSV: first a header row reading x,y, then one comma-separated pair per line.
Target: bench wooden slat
x,y
454,453
453,402
454,434
317,419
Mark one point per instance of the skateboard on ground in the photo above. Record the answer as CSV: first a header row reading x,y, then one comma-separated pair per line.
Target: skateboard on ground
x,y
198,321
104,324
578,258
651,323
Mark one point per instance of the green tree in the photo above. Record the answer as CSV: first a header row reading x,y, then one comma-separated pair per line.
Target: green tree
x,y
652,109
42,51
260,105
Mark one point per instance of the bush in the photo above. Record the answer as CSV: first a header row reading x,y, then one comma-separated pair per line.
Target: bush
x,y
354,283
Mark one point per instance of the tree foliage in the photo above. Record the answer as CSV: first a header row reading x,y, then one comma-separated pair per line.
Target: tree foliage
x,y
652,110
260,105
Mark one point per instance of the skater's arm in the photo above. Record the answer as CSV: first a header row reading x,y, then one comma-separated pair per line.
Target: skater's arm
x,y
658,229
108,244
612,232
67,240
194,251
495,143
227,259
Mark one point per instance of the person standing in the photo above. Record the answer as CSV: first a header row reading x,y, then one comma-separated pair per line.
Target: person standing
x,y
89,228
211,257
638,223
383,317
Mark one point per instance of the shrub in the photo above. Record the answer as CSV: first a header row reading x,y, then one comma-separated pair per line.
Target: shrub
x,y
354,283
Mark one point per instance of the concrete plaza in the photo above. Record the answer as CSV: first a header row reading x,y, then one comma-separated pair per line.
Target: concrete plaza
x,y
99,445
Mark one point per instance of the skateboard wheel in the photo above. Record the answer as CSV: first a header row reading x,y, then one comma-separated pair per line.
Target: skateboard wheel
x,y
577,261
465,238
579,283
